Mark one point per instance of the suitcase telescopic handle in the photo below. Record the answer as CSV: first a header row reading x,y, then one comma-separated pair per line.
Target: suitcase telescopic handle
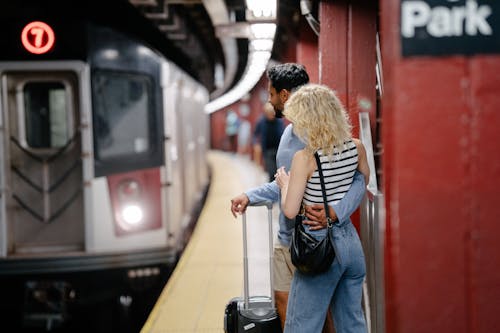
x,y
246,296
268,204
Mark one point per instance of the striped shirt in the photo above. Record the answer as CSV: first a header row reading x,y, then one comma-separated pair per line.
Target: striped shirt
x,y
338,175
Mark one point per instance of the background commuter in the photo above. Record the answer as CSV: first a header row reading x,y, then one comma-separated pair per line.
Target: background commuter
x,y
232,126
244,134
267,135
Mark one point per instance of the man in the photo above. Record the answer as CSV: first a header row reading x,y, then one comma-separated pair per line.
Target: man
x,y
232,126
283,80
267,136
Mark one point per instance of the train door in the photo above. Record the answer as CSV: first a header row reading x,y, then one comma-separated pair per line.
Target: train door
x,y
189,120
42,166
201,131
174,167
184,134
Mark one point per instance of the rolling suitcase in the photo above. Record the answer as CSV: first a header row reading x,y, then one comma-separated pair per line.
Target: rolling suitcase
x,y
256,314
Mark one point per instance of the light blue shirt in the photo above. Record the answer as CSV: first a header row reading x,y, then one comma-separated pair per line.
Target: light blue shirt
x,y
289,145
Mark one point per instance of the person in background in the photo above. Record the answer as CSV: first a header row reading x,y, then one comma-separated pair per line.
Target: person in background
x,y
232,126
283,80
244,134
267,135
318,117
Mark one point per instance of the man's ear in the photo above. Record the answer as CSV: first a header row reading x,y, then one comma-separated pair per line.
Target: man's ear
x,y
284,94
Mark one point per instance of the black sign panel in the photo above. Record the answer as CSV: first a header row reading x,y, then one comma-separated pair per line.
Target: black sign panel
x,y
446,27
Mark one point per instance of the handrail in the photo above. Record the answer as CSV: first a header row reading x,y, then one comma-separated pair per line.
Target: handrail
x,y
372,229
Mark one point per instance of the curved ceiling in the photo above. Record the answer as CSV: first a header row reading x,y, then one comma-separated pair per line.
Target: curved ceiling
x,y
190,25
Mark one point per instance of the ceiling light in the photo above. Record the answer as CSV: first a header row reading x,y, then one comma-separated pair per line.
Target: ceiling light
x,y
261,39
263,30
261,9
261,45
256,66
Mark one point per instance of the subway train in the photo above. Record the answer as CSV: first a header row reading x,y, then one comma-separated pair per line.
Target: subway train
x,y
103,169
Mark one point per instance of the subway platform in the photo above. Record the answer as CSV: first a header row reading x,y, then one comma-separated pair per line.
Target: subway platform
x,y
210,270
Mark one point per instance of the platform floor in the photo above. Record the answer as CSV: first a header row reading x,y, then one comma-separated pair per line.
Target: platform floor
x,y
210,271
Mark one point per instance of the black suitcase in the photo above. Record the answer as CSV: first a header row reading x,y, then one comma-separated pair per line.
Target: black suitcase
x,y
256,314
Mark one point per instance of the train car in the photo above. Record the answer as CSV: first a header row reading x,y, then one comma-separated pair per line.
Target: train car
x,y
103,144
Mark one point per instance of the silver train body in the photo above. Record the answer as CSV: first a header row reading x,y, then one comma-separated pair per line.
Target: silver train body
x,y
102,164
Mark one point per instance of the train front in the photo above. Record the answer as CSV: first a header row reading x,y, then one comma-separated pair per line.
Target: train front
x,y
88,219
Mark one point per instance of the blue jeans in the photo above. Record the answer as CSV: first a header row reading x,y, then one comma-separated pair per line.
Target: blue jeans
x,y
338,289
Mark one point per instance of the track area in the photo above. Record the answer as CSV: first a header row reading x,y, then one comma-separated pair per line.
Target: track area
x,y
210,271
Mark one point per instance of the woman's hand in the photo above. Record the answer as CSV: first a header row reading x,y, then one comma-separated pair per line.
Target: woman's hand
x,y
282,177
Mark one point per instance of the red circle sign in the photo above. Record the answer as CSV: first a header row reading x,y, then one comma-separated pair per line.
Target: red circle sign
x,y
38,37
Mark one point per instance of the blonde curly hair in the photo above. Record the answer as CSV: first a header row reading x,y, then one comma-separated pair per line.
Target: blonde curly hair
x,y
319,119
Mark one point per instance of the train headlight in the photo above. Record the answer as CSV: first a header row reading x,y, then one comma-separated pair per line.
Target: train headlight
x,y
132,214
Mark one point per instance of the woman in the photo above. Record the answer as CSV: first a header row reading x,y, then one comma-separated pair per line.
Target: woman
x,y
320,120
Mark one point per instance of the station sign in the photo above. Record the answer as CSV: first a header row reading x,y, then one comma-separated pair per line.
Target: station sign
x,y
38,37
447,27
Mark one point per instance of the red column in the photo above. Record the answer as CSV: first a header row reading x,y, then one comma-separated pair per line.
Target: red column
x,y
347,53
307,51
333,46
347,56
442,179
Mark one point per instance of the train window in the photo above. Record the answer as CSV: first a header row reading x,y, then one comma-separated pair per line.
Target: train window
x,y
46,115
124,120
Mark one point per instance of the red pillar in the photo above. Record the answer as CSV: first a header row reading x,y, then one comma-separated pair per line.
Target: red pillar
x,y
333,53
442,179
307,51
347,57
347,53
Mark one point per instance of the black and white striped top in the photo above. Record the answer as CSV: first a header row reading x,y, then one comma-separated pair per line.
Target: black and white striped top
x,y
338,175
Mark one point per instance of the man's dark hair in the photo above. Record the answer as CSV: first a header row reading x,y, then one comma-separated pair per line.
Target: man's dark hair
x,y
287,76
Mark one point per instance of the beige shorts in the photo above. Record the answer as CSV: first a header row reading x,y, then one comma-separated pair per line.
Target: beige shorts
x,y
282,268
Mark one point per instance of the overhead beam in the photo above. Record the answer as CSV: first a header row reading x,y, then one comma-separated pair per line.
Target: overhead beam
x,y
217,10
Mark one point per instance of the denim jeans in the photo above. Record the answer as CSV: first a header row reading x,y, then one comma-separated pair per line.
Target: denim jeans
x,y
338,289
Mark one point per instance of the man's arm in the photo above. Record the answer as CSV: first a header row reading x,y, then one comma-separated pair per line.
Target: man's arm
x,y
265,192
352,199
341,210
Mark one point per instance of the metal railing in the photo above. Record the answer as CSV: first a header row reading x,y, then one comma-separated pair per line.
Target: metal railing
x,y
372,238
372,229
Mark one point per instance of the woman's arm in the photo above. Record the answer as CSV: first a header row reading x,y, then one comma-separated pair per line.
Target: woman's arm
x,y
362,160
293,185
